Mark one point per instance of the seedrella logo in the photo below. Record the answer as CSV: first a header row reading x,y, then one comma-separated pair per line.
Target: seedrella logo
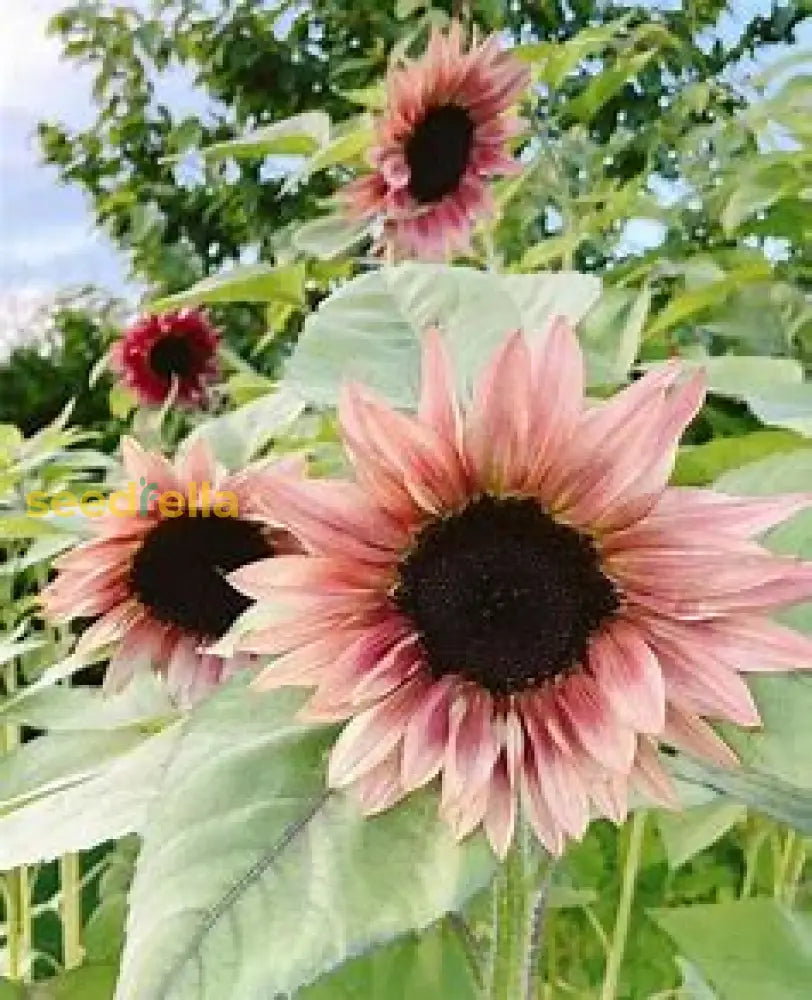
x,y
139,499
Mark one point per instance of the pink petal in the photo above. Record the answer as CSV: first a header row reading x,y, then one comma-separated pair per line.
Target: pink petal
x,y
334,518
498,425
426,735
472,750
685,731
311,574
559,780
371,736
650,777
304,665
109,628
558,393
628,674
152,468
196,465
696,680
438,407
500,814
380,788
593,723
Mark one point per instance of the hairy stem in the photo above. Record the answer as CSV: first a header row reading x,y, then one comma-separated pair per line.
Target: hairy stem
x,y
620,933
509,925
537,926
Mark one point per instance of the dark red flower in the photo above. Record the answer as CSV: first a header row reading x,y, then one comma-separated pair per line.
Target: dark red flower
x,y
157,352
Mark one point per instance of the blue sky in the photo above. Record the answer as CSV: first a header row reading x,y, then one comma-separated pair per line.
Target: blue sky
x,y
47,240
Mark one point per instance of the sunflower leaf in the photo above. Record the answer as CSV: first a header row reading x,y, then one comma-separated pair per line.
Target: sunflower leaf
x,y
752,949
370,329
253,880
252,283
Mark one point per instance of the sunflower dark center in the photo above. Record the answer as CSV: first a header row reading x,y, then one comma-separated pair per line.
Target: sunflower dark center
x,y
172,355
503,594
179,571
438,152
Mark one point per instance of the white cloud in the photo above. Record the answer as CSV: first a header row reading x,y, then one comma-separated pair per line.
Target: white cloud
x,y
32,77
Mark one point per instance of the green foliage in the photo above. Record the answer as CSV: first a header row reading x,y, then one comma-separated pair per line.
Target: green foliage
x,y
249,877
284,861
39,379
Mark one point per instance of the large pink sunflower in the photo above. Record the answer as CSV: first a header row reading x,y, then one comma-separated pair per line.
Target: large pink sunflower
x,y
173,352
443,134
511,597
156,584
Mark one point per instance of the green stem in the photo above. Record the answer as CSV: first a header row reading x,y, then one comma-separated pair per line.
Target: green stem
x,y
782,865
509,925
18,888
71,907
796,871
754,843
535,936
620,933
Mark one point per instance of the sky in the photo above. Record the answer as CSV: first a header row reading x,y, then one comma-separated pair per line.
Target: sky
x,y
47,237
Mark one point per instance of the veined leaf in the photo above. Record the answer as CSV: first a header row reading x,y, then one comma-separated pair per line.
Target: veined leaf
x,y
753,949
370,330
252,880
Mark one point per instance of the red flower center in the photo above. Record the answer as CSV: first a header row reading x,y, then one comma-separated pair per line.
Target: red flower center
x,y
503,594
438,152
179,571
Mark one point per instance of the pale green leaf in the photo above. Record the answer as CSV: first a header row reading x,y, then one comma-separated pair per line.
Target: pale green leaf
x,y
431,967
255,283
698,465
329,236
237,437
754,949
107,805
57,761
612,331
254,881
685,834
370,330
302,134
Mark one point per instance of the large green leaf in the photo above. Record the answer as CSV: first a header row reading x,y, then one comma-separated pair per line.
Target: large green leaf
x,y
253,881
328,236
370,329
108,804
432,967
56,761
60,707
773,388
254,283
611,333
89,982
302,134
237,437
684,834
700,464
753,949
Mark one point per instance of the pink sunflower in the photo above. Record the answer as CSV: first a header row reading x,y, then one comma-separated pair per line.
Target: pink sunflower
x,y
510,596
443,135
175,351
155,579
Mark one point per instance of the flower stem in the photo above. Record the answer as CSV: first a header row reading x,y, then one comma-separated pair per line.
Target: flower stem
x,y
71,910
510,907
624,909
538,923
520,896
